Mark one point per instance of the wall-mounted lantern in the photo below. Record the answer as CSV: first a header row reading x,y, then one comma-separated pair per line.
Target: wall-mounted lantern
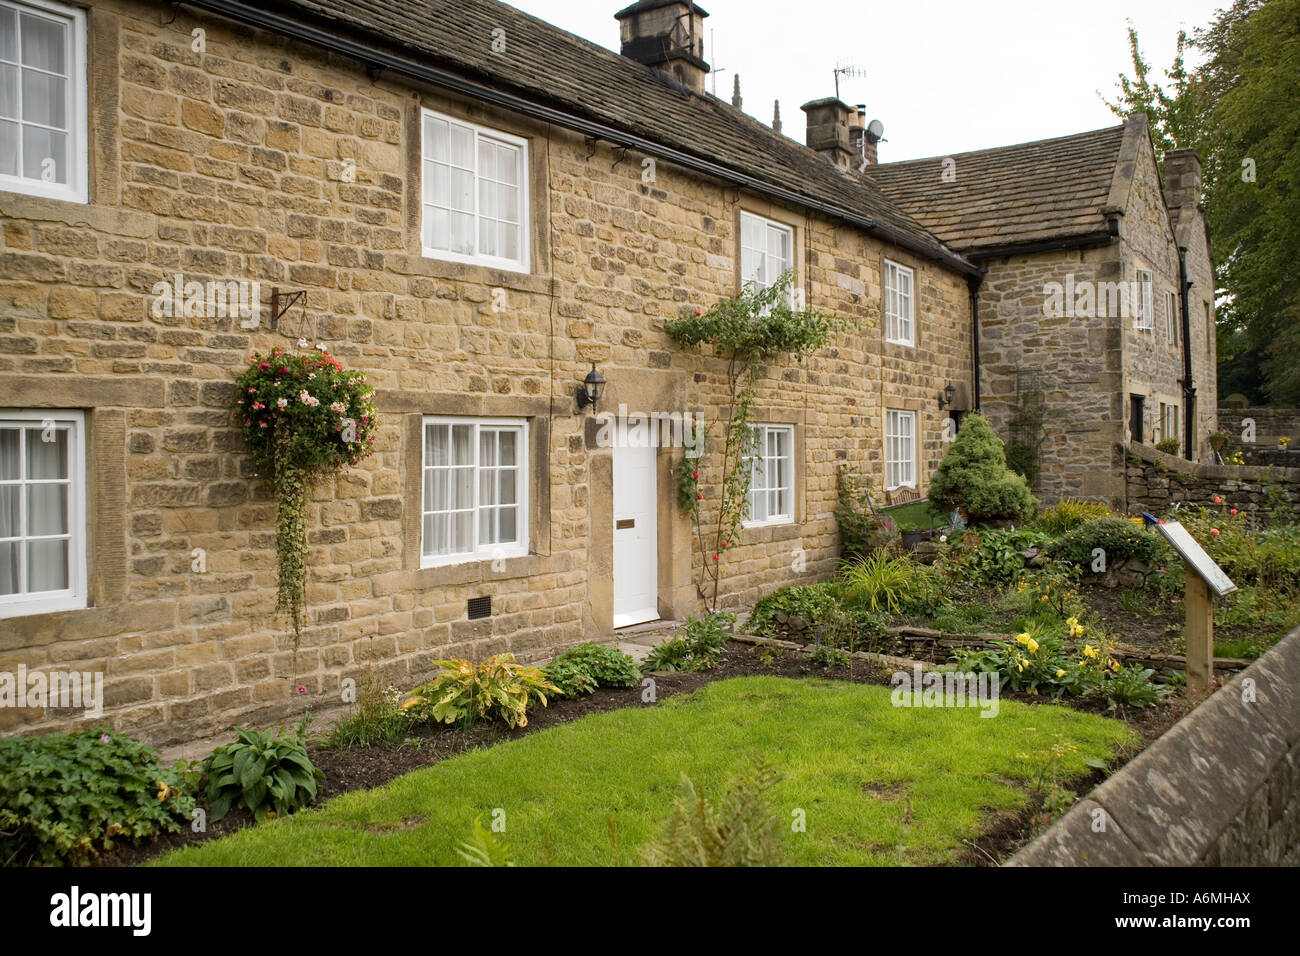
x,y
592,387
946,397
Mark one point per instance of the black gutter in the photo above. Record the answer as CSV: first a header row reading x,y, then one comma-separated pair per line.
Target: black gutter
x,y
375,57
1189,391
1041,245
974,283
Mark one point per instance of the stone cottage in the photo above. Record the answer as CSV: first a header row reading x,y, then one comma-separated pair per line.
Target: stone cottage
x,y
1096,310
475,209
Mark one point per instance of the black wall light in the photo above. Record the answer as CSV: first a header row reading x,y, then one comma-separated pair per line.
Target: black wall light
x,y
946,397
592,387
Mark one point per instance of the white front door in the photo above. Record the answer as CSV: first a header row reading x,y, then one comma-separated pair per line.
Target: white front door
x,y
636,542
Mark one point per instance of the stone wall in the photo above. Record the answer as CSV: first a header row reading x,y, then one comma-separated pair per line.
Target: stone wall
x,y
1155,481
1220,788
235,164
1270,425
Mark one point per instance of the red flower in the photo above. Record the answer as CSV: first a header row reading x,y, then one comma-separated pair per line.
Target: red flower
x,y
282,371
695,475
724,545
698,496
1218,500
1233,511
263,367
715,557
698,312
1214,531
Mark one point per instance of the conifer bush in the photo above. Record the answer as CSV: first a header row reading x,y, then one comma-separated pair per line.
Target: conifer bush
x,y
974,476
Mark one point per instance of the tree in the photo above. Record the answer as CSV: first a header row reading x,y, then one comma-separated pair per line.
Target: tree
x,y
974,475
1240,112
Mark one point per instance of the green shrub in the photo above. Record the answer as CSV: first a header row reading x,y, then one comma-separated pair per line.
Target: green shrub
x,y
584,667
1068,514
993,557
465,693
1266,557
377,718
1119,538
66,797
862,531
893,585
1132,686
1170,446
698,648
267,775
811,602
974,475
740,831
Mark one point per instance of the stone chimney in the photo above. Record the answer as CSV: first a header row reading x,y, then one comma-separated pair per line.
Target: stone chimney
x,y
1182,186
668,36
864,149
828,130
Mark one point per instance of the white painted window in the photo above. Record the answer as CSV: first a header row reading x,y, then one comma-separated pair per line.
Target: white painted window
x,y
475,490
43,99
899,320
900,449
771,476
766,250
475,204
1168,421
1171,318
42,512
1145,304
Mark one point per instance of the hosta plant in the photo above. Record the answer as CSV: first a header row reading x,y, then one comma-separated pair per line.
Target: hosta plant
x,y
267,775
697,648
303,417
465,692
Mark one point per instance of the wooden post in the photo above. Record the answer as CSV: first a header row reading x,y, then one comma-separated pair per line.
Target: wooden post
x,y
1200,633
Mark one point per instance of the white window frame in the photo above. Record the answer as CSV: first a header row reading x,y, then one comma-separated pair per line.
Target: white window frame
x,y
1145,321
758,442
1169,416
1171,310
75,190
74,596
769,226
900,323
480,551
523,263
893,460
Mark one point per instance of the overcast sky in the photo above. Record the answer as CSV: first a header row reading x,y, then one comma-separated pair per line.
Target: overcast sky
x,y
944,76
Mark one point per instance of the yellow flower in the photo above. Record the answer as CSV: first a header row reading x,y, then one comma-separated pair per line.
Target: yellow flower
x,y
163,790
1089,651
1034,691
1023,638
1114,665
1060,672
1032,645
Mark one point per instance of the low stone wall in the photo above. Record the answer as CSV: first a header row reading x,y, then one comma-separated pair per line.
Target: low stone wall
x,y
1153,481
1221,788
1270,423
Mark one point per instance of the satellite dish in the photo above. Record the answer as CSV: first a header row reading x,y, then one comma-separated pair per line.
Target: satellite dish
x,y
875,131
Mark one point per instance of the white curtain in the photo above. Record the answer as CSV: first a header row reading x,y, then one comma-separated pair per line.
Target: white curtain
x,y
35,502
34,103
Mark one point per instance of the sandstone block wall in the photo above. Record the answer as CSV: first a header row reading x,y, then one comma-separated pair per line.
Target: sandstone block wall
x,y
234,164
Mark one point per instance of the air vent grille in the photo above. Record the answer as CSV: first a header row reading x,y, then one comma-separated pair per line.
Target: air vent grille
x,y
480,607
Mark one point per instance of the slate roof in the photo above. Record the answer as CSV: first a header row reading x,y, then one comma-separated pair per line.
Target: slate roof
x,y
556,68
1048,189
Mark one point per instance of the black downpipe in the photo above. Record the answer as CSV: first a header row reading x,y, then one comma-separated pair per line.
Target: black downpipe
x,y
1189,390
973,283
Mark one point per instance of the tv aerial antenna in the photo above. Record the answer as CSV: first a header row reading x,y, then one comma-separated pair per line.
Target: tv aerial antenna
x,y
846,70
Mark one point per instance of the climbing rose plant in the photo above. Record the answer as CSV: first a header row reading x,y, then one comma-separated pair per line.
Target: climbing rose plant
x,y
304,417
755,327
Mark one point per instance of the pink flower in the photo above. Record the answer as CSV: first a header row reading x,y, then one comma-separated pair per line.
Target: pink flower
x,y
1218,500
261,424
308,399
282,371
338,408
263,367
252,391
302,688
1232,511
1214,531
103,738
258,406
282,403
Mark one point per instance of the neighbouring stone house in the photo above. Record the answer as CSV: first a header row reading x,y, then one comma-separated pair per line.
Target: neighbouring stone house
x,y
478,208
1096,312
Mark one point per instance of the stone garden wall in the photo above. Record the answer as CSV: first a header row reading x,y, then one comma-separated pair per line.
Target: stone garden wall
x,y
1220,788
1155,481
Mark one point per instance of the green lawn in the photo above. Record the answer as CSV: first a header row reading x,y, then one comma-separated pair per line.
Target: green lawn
x,y
878,784
914,516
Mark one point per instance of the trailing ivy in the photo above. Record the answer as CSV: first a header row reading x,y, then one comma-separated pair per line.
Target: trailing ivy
x,y
752,328
303,417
